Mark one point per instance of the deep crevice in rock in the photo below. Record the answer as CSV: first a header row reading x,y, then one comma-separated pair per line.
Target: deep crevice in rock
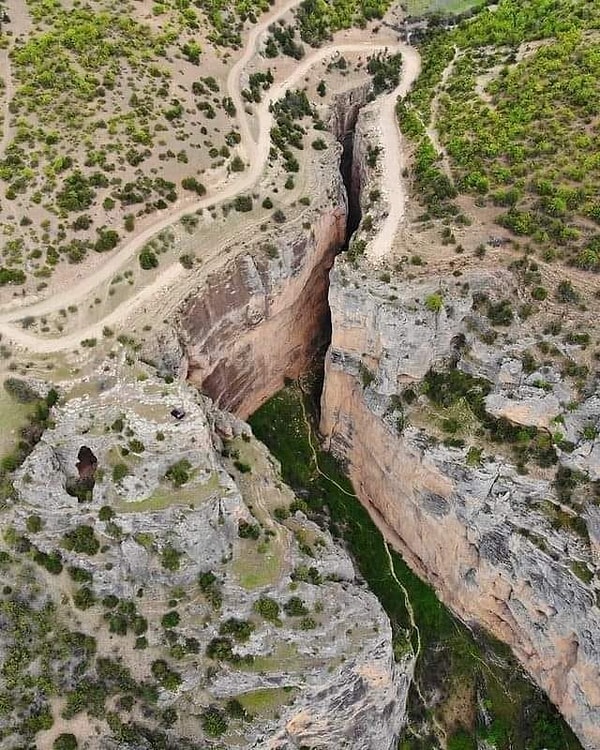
x,y
352,185
343,125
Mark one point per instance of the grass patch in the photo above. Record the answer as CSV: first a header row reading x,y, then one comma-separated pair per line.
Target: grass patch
x,y
421,7
522,716
13,417
267,700
255,569
166,496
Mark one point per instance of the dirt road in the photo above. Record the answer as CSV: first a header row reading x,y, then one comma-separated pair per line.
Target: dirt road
x,y
257,152
394,188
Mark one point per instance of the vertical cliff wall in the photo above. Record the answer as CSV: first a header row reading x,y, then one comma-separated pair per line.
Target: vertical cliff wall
x,y
260,320
485,536
264,316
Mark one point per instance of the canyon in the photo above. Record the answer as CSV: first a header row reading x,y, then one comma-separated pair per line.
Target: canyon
x,y
481,534
466,418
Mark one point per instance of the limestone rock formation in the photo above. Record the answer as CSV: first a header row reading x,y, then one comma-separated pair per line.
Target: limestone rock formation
x,y
509,550
191,540
262,317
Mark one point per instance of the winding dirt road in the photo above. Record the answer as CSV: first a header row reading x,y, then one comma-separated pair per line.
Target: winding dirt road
x,y
257,152
393,185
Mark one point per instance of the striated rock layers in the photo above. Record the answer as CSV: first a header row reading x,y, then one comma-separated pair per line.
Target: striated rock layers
x,y
234,602
262,317
501,548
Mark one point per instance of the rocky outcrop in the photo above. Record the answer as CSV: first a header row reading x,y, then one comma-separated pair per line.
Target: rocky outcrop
x,y
203,541
500,547
262,318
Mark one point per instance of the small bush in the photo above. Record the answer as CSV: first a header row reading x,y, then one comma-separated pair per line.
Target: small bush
x,y
84,598
81,539
119,472
170,558
295,607
267,608
241,630
106,513
170,619
179,473
214,722
434,302
248,530
566,293
65,741
243,203
237,165
148,259
168,678
20,391
33,524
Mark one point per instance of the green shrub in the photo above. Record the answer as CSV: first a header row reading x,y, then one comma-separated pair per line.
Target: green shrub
x,y
179,473
565,292
119,472
52,562
214,722
241,630
248,530
33,524
148,259
500,313
11,276
170,558
267,608
209,586
65,741
170,619
107,240
295,607
187,261
81,539
20,391
462,740
237,165
434,302
235,709
79,575
191,183
84,598
106,513
136,446
243,203
168,678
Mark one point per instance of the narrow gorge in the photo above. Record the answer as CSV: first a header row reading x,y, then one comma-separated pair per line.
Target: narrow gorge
x,y
277,292
466,528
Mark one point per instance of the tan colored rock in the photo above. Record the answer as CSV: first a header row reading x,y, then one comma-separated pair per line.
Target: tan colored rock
x,y
465,530
260,320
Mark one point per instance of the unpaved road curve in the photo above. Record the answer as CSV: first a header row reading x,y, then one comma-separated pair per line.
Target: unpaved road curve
x,y
393,163
260,153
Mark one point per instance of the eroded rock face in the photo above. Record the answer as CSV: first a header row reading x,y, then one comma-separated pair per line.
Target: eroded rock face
x,y
328,670
262,318
485,536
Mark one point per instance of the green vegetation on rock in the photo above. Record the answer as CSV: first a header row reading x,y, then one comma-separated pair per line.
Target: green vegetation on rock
x,y
452,658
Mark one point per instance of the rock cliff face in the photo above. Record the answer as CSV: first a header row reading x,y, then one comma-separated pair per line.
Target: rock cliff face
x,y
263,317
509,550
189,553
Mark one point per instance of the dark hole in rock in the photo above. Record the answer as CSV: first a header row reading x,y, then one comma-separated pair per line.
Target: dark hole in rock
x,y
82,486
